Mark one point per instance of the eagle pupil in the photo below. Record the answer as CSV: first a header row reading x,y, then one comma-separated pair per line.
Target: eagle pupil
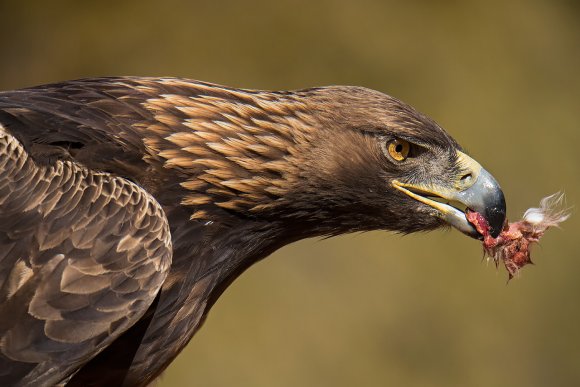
x,y
399,148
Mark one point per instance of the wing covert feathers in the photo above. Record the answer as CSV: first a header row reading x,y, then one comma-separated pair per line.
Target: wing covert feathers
x,y
82,256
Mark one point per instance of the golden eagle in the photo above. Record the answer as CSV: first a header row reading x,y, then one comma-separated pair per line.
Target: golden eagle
x,y
127,206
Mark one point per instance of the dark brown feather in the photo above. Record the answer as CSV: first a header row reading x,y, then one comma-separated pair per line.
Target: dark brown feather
x,y
55,279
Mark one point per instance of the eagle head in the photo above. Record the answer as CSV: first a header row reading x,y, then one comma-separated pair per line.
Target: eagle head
x,y
323,161
377,163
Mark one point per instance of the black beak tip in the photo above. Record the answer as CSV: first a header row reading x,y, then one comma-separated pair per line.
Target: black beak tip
x,y
496,215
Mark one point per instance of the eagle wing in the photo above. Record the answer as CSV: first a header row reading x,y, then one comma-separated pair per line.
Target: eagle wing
x,y
82,256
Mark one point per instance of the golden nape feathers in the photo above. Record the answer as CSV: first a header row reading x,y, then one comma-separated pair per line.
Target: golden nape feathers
x,y
241,152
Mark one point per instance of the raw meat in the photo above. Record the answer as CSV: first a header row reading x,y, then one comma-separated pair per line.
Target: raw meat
x,y
512,246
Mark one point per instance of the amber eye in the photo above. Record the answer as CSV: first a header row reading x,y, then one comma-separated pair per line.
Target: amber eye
x,y
398,149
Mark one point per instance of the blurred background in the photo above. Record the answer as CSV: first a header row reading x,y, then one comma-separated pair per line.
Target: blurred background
x,y
374,309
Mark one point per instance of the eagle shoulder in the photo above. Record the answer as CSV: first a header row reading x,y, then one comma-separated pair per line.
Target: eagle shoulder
x,y
82,256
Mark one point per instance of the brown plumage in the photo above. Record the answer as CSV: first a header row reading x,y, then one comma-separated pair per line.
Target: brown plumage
x,y
127,205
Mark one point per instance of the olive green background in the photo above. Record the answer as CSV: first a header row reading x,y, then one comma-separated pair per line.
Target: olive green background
x,y
503,77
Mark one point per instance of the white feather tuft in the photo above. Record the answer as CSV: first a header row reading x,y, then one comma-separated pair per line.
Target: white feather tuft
x,y
550,213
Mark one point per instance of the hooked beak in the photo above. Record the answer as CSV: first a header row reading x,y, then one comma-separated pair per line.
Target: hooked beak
x,y
474,188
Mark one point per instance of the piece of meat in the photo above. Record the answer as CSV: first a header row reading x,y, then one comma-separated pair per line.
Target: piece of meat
x,y
512,246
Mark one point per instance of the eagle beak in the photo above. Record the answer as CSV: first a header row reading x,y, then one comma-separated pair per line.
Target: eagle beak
x,y
473,188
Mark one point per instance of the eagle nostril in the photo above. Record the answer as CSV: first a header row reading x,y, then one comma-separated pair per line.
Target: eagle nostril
x,y
465,179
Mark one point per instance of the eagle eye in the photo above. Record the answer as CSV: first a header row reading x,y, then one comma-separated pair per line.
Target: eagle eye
x,y
398,149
